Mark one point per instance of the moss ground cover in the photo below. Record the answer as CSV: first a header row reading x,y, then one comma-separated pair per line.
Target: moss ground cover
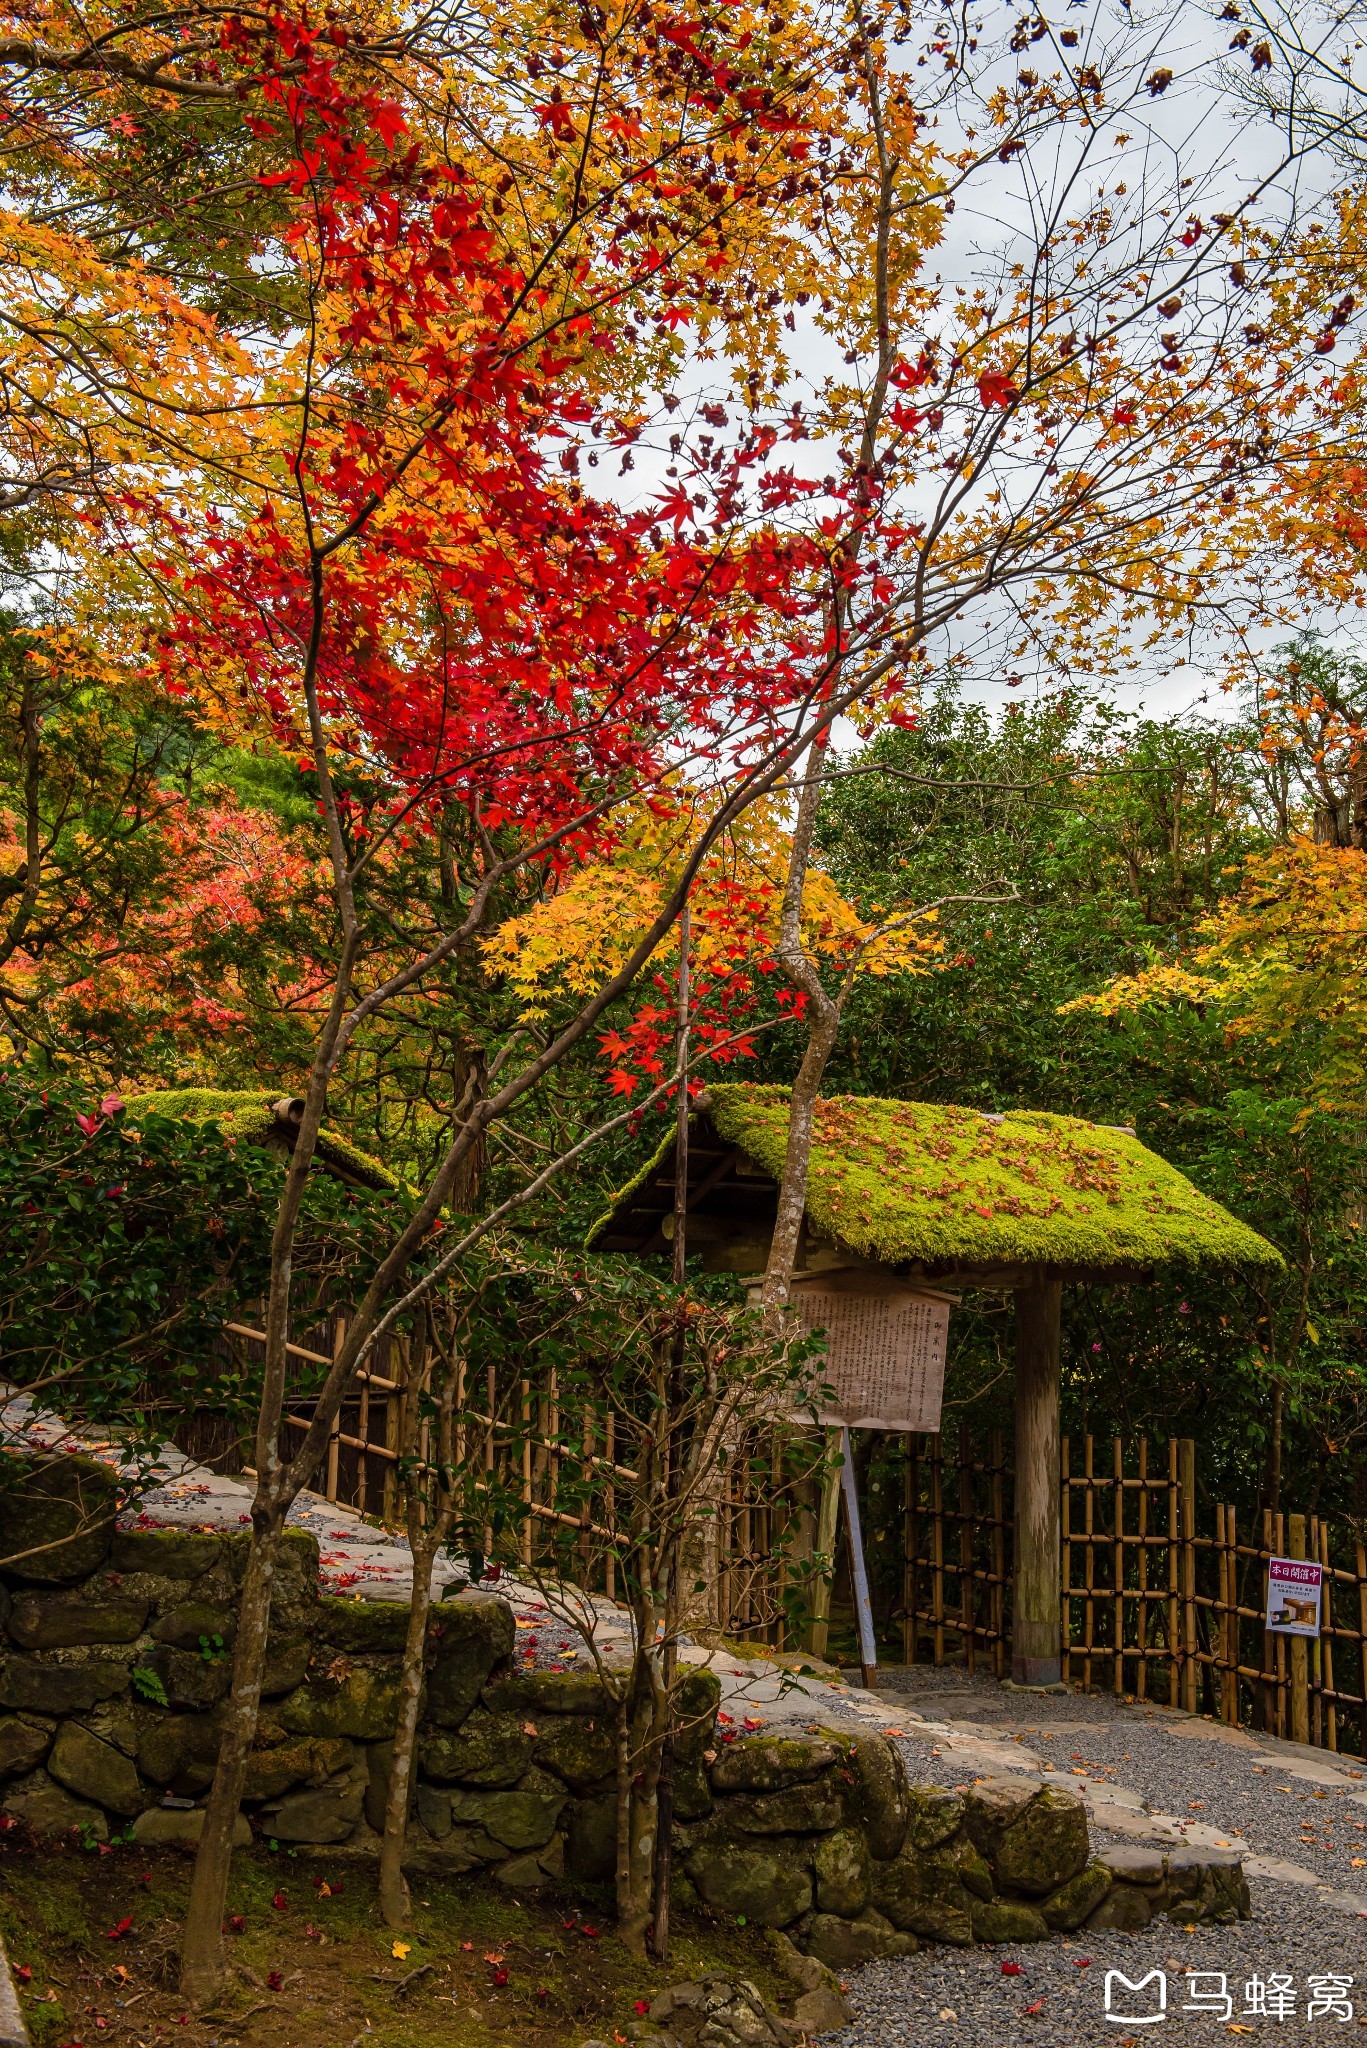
x,y
317,1969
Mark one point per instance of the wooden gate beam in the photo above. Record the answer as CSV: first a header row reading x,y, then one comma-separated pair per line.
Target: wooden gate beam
x,y
1035,1646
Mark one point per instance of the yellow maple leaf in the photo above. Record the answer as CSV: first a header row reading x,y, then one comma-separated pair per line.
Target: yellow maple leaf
x,y
401,1949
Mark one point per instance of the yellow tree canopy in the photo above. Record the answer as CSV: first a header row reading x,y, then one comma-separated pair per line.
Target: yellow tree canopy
x,y
578,937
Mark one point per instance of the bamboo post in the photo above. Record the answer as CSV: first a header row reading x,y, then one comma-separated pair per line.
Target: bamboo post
x,y
392,1409
1065,1628
827,1523
1142,1602
525,1541
997,1455
937,1552
909,1550
1229,1690
335,1438
1089,1531
1362,1645
1300,1648
1118,1540
967,1604
1035,1657
1186,1487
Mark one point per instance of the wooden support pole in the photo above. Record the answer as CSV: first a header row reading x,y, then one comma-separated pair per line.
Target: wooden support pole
x,y
1186,1488
1035,1658
863,1608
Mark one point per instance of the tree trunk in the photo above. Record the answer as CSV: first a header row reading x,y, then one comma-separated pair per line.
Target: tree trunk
x,y
202,1951
395,1905
1035,1621
1274,1448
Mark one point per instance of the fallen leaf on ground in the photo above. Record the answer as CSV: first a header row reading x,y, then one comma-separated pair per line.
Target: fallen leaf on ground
x,y
401,1949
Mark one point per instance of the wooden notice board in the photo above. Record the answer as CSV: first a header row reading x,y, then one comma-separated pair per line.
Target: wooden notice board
x,y
885,1349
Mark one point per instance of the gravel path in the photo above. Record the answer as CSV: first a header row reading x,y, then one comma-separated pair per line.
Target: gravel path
x,y
1059,1998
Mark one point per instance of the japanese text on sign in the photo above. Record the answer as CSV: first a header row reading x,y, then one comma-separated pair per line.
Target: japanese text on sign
x,y
885,1354
1294,1591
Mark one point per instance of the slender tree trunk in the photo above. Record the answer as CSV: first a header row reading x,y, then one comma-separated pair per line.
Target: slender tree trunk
x,y
202,1966
395,1905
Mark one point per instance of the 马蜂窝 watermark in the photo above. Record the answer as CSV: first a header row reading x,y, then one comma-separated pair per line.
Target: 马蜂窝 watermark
x,y
1145,2001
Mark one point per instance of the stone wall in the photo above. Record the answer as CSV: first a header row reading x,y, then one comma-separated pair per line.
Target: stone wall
x,y
117,1658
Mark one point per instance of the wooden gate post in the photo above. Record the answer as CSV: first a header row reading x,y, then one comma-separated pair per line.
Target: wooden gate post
x,y
1035,1647
1300,1647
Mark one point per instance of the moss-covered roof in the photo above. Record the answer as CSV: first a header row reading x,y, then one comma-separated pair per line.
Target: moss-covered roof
x,y
929,1184
256,1119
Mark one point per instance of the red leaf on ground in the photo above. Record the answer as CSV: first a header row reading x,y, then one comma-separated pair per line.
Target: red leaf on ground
x,y
1012,1970
280,1903
274,1981
118,1931
237,1923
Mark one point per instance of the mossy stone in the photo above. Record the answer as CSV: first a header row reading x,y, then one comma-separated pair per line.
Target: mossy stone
x,y
95,1770
170,1746
994,1805
848,1944
522,1819
52,1811
796,1810
692,1793
294,1586
933,1814
879,1799
167,1827
549,1692
696,1701
1124,1910
362,1628
1007,1920
840,1865
183,1626
580,1751
327,1814
56,1516
476,1636
1069,1906
769,1763
924,1898
167,1553
1046,1846
189,1678
273,1772
67,1688
363,1705
64,1621
591,1840
286,1666
23,1745
769,1882
492,1750
960,1854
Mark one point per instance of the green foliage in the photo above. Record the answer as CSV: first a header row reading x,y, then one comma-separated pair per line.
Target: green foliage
x,y
148,1685
128,1242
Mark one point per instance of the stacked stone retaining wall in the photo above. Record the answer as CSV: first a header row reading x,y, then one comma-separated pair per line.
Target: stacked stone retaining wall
x,y
116,1665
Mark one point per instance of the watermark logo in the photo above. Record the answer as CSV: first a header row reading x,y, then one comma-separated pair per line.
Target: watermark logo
x,y
1143,2002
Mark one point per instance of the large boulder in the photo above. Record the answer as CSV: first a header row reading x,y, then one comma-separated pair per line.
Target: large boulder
x,y
879,1800
1124,1910
535,1693
520,1819
769,1882
51,1811
770,1763
294,1585
67,1620
1046,1846
840,1865
23,1744
580,1751
995,1804
796,1810
591,1840
67,1687
362,1703
363,1628
188,1677
193,1623
95,1770
56,1516
848,1944
1007,1920
166,1553
933,1815
925,1897
273,1772
178,1750
328,1814
476,1635
168,1827
1068,1907
487,1749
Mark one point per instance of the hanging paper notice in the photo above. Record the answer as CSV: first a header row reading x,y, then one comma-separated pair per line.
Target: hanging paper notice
x,y
885,1352
1294,1588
